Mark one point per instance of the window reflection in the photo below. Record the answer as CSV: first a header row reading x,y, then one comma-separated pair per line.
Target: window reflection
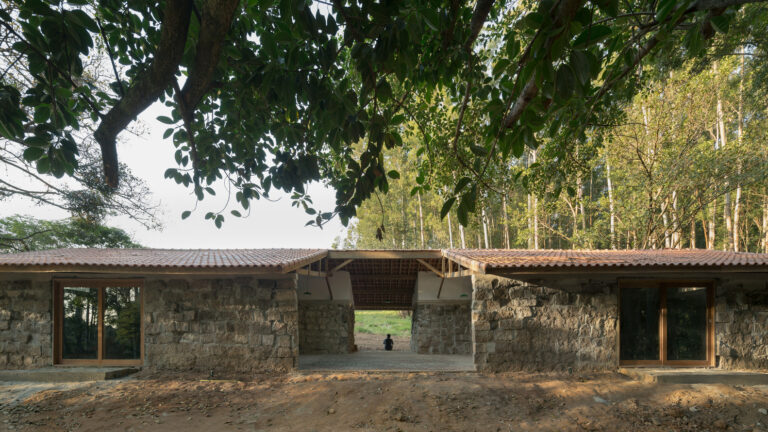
x,y
80,332
122,331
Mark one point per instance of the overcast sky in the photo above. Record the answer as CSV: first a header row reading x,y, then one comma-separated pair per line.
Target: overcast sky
x,y
270,224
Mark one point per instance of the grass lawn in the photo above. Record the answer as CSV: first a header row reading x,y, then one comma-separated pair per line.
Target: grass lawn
x,y
382,322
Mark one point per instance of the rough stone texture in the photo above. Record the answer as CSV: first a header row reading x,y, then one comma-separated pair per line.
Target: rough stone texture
x,y
442,328
544,325
741,324
25,324
232,325
326,327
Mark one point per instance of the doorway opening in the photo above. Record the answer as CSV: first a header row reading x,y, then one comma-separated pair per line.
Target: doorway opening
x,y
373,326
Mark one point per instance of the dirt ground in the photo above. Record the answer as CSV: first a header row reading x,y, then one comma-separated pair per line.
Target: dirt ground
x,y
374,342
389,402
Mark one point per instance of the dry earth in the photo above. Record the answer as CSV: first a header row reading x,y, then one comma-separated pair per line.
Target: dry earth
x,y
388,402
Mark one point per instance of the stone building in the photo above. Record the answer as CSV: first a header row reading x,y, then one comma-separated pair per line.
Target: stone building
x,y
260,309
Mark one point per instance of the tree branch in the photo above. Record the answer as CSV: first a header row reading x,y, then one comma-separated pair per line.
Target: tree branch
x,y
479,16
215,22
147,86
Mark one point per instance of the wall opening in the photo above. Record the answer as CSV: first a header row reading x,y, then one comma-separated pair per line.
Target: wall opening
x,y
373,326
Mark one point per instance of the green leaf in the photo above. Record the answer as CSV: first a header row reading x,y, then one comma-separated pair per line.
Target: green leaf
x,y
720,23
168,132
185,214
663,8
564,83
33,153
580,65
592,35
610,7
500,66
461,184
165,119
534,20
462,214
236,213
42,113
393,174
478,150
44,165
447,207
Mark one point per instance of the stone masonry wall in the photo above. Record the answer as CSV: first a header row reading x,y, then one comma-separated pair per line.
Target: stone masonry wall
x,y
25,324
326,327
232,325
741,324
442,328
543,325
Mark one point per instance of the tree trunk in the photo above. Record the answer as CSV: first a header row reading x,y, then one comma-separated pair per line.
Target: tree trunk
x,y
693,233
737,198
765,220
728,244
461,234
535,222
677,231
711,223
665,219
421,221
450,230
485,227
530,221
610,204
506,220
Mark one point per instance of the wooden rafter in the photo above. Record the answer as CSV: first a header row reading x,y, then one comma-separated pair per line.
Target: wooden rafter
x,y
430,267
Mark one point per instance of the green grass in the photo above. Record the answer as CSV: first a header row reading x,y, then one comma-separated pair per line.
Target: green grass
x,y
382,322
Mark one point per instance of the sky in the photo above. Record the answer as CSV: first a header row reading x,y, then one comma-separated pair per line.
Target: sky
x,y
269,225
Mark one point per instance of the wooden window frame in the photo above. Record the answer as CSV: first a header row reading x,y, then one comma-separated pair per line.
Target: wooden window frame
x,y
58,321
662,286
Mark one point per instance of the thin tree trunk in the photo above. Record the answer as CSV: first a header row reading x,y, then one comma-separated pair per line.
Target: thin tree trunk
x,y
535,222
421,221
610,204
677,232
728,244
461,234
711,223
665,219
506,220
450,230
765,220
530,221
485,227
693,233
737,198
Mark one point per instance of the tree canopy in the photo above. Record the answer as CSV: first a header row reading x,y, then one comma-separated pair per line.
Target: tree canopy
x,y
687,167
23,233
274,94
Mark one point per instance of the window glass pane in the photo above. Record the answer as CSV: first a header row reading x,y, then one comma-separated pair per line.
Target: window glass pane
x,y
639,326
687,323
122,323
80,333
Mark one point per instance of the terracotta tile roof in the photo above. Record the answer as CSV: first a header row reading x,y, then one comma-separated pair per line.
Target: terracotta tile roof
x,y
284,260
522,259
234,259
